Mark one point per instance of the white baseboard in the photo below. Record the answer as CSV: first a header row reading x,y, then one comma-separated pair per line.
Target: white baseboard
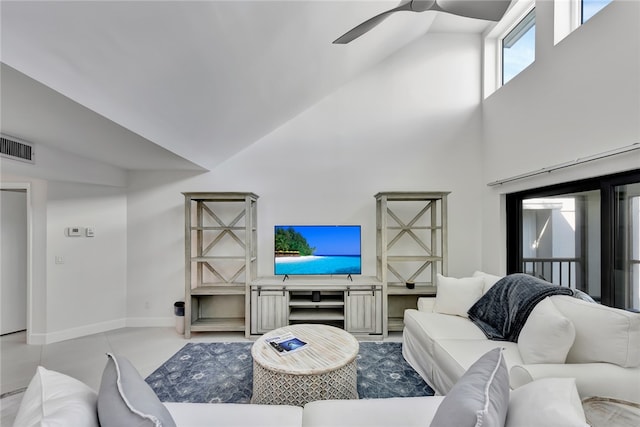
x,y
96,328
80,331
150,322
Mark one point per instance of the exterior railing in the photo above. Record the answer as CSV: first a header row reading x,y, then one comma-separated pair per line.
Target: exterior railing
x,y
559,271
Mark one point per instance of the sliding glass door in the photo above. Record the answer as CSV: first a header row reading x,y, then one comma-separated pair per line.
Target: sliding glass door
x,y
560,235
584,235
626,256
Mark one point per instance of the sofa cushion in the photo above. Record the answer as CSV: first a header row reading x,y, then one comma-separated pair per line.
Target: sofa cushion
x,y
55,399
426,304
549,402
603,334
125,399
436,325
480,397
454,357
488,279
397,411
592,379
456,296
547,335
234,415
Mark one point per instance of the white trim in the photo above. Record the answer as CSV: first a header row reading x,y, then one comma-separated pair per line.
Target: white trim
x,y
576,162
492,50
26,186
487,387
153,322
566,18
125,398
96,328
81,331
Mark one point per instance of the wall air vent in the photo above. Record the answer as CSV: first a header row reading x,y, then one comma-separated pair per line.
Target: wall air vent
x,y
13,148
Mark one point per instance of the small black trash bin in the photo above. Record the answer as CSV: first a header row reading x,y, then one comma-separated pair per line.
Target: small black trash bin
x,y
178,310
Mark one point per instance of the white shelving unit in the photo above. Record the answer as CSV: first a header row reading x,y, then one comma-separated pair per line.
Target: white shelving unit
x,y
220,260
411,246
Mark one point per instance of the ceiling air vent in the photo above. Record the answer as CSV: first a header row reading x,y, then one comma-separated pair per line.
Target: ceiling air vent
x,y
12,148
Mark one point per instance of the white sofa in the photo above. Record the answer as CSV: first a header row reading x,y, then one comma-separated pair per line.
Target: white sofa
x,y
564,336
481,396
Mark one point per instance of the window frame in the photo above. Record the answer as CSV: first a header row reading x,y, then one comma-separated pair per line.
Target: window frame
x,y
606,185
492,48
580,7
520,28
569,16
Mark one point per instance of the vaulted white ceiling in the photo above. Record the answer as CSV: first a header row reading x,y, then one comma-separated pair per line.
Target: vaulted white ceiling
x,y
184,84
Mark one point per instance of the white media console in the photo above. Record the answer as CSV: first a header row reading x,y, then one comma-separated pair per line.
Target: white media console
x,y
354,305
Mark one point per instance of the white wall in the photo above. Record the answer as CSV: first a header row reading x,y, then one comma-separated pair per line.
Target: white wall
x,y
579,98
412,123
87,292
59,165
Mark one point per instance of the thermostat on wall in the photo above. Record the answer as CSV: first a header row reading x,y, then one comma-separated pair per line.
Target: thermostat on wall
x,y
74,231
90,231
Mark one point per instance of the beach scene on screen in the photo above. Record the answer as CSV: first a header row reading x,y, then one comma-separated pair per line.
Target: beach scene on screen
x,y
317,249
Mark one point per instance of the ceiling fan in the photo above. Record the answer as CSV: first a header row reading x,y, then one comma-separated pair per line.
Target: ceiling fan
x,y
490,10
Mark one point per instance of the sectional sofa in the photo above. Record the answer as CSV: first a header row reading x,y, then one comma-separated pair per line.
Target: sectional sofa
x,y
564,336
481,397
567,349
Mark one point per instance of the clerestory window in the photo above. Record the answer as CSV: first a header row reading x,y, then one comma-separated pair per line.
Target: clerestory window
x,y
519,47
588,8
568,15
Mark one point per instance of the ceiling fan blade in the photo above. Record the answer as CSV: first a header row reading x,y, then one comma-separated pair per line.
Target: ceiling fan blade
x,y
367,25
490,10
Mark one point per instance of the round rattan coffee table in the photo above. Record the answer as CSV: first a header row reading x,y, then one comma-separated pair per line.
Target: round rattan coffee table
x,y
324,369
609,412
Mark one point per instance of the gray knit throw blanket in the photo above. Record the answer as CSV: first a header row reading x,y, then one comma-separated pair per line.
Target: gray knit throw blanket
x,y
503,310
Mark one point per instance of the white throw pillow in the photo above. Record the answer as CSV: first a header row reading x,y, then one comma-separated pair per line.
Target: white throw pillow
x,y
456,296
489,280
549,402
547,335
55,399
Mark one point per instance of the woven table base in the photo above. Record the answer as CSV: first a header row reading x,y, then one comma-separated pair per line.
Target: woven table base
x,y
277,388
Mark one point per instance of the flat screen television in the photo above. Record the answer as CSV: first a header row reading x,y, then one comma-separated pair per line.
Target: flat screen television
x,y
317,250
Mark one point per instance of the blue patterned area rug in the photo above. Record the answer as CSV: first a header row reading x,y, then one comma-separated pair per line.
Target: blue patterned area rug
x,y
223,373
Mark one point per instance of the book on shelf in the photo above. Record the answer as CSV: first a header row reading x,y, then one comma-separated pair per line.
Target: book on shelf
x,y
286,344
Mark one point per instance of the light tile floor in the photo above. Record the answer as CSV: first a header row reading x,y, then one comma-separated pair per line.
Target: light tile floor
x,y
84,358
